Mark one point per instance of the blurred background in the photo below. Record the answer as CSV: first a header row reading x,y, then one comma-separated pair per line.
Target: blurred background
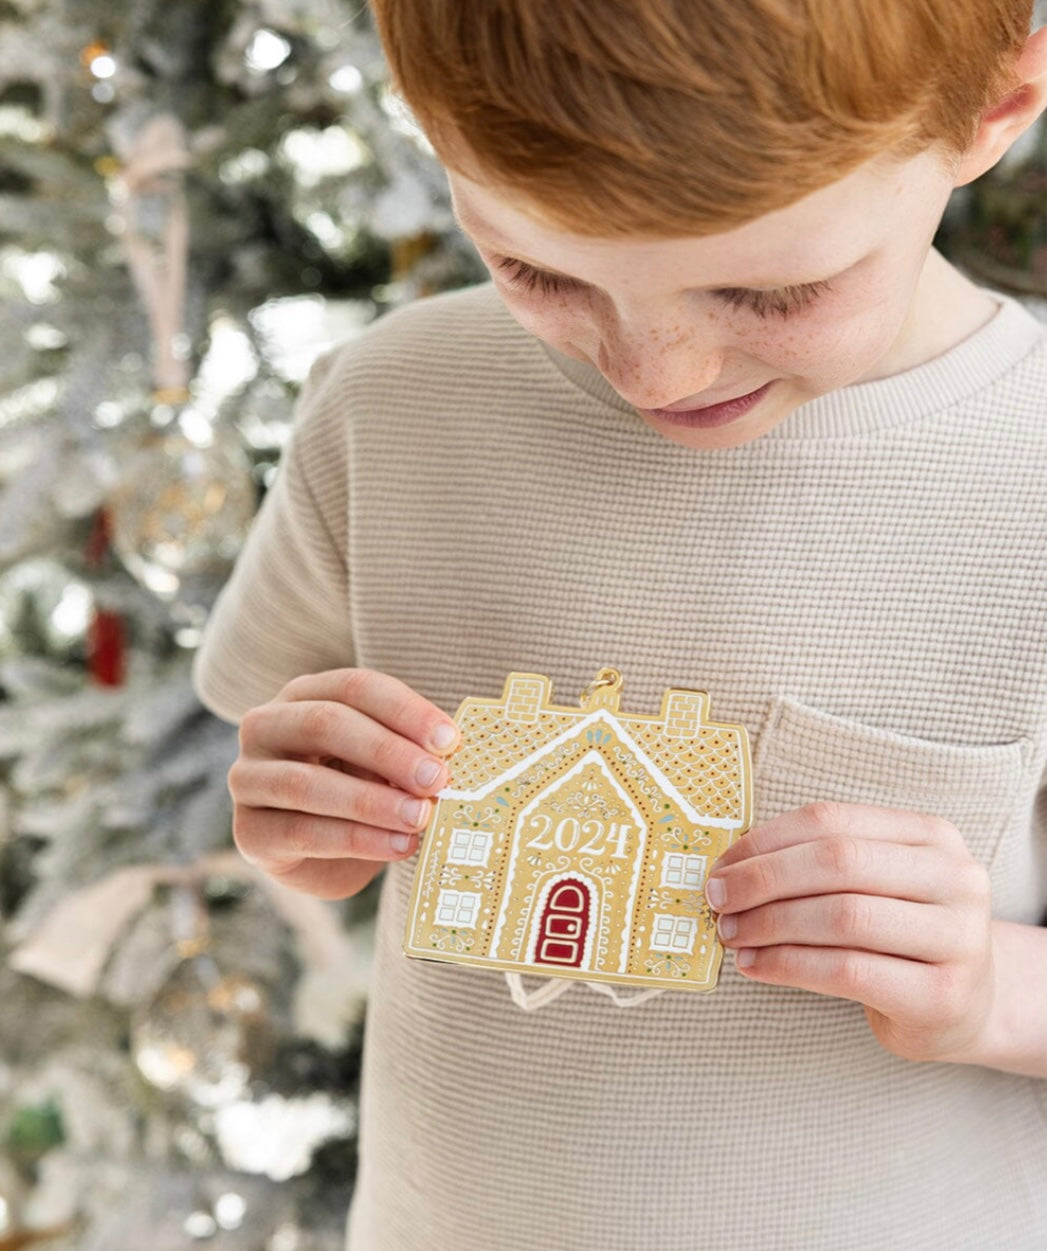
x,y
195,200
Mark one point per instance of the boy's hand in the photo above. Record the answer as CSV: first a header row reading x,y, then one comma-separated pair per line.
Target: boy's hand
x,y
334,778
877,905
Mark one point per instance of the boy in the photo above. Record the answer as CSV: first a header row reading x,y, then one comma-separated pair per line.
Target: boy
x,y
723,418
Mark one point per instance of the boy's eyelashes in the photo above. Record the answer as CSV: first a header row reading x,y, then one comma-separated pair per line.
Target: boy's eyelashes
x,y
781,302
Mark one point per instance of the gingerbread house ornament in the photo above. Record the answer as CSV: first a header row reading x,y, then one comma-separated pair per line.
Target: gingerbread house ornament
x,y
574,842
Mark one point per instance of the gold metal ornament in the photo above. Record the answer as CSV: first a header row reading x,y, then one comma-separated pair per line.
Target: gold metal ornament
x,y
576,842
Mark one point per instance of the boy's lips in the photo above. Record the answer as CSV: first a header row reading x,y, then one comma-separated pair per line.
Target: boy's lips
x,y
710,415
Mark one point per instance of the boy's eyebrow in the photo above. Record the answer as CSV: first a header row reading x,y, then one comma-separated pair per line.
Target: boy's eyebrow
x,y
481,228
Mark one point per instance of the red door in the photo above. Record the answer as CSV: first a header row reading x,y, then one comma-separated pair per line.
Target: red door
x,y
564,924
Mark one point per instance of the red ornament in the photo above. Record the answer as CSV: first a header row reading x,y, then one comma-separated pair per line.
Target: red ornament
x,y
106,636
106,648
97,544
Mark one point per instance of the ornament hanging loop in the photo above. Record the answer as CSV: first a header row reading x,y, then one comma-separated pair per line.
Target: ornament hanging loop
x,y
603,691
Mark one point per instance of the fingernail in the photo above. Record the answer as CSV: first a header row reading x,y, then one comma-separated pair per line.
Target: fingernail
x,y
444,735
427,772
727,925
401,842
415,811
716,892
744,957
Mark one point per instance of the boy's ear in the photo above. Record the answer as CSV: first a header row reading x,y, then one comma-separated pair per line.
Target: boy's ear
x,y
1002,124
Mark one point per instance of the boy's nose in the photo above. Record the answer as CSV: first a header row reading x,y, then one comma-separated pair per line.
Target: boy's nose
x,y
653,371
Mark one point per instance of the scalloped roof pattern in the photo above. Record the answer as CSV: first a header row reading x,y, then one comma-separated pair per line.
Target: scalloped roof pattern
x,y
707,768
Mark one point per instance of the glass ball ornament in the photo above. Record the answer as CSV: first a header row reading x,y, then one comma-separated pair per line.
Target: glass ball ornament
x,y
183,504
44,610
205,1035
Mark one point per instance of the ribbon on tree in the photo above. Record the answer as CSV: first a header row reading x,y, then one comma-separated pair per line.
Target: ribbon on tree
x,y
71,946
151,195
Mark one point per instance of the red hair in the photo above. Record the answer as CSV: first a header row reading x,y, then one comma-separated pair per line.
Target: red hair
x,y
670,117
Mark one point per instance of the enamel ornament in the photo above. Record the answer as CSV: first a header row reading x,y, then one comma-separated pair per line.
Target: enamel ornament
x,y
575,842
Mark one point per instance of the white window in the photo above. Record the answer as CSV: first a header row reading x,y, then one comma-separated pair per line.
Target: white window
x,y
469,847
685,871
673,933
458,907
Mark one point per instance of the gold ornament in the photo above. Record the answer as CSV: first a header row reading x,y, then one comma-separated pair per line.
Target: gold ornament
x,y
576,842
184,504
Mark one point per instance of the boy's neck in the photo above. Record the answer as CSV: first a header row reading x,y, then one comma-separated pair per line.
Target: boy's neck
x,y
946,309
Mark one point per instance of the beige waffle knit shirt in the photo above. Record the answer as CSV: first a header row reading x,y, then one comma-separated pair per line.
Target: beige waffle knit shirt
x,y
864,587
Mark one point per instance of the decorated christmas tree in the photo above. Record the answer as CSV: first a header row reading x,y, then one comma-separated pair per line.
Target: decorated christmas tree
x,y
195,200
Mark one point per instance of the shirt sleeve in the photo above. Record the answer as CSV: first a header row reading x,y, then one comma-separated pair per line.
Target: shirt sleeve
x,y
285,609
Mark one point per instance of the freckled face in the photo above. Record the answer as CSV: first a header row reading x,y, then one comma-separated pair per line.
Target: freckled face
x,y
813,297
